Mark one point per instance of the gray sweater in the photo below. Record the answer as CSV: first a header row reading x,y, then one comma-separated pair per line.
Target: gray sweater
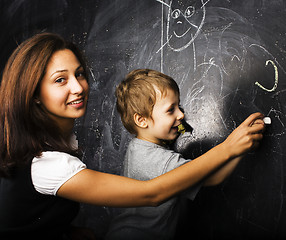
x,y
144,161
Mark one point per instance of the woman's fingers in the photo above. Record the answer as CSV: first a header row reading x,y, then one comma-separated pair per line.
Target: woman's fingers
x,y
252,118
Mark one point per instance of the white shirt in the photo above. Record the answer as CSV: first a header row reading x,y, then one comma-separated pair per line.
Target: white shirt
x,y
52,169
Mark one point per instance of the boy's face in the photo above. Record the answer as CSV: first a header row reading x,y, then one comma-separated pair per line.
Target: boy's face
x,y
166,117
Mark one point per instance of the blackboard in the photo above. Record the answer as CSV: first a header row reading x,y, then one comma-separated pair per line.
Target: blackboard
x,y
228,57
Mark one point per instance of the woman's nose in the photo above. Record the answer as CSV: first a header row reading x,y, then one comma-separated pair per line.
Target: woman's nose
x,y
75,86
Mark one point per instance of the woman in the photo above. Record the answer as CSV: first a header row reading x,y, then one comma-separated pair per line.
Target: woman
x,y
43,90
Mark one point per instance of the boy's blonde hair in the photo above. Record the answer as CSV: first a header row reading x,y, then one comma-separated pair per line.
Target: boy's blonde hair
x,y
137,94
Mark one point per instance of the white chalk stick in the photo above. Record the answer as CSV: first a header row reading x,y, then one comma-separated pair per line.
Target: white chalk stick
x,y
267,120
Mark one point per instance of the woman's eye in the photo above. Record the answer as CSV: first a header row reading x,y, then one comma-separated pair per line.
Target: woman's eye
x,y
80,74
60,80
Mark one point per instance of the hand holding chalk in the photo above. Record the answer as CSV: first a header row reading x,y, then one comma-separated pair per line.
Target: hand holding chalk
x,y
267,120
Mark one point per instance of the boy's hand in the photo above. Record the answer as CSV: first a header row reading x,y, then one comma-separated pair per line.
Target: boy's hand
x,y
246,136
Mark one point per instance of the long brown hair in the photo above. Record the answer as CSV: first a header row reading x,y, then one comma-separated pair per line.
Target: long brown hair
x,y
25,129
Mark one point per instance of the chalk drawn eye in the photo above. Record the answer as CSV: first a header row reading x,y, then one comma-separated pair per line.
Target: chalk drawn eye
x,y
175,14
189,11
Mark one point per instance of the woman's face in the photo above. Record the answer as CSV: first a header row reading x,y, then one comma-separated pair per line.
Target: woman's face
x,y
64,89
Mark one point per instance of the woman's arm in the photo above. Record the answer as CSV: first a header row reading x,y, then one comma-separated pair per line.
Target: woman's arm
x,y
219,175
222,173
104,189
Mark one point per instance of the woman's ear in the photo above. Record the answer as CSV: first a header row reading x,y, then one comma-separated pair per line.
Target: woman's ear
x,y
37,100
140,121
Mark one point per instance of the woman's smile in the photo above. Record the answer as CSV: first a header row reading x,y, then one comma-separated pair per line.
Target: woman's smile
x,y
79,103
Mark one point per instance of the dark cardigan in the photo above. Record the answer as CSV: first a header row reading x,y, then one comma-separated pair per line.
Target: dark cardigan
x,y
27,213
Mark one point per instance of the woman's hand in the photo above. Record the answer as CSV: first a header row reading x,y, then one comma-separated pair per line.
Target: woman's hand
x,y
246,136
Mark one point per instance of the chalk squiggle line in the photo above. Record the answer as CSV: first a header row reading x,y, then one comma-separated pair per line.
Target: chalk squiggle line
x,y
276,78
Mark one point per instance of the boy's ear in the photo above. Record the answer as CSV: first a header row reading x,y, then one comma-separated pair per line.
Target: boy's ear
x,y
140,121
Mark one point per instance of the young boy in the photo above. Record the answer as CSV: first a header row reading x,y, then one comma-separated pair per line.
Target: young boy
x,y
148,102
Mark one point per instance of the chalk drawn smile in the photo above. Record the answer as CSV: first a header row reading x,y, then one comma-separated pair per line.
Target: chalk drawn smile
x,y
179,36
182,35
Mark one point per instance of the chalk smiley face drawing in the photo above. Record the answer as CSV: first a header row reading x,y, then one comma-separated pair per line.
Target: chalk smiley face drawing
x,y
184,22
181,19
